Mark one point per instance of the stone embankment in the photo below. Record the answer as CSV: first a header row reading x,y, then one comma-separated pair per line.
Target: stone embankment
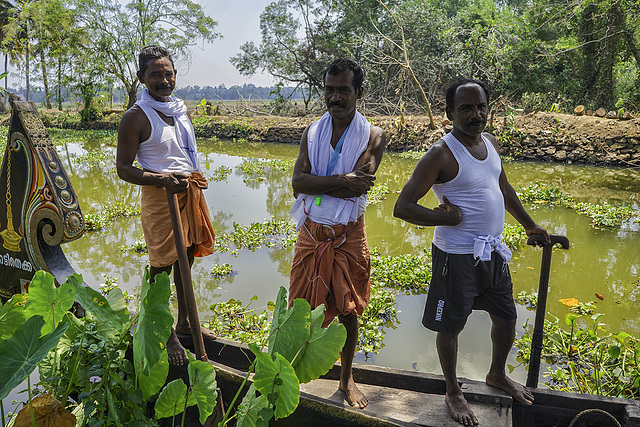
x,y
549,137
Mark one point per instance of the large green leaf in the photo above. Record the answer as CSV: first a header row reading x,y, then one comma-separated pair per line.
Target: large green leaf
x,y
154,322
202,377
96,303
276,379
322,350
254,410
119,305
151,382
290,327
12,315
47,300
20,354
172,398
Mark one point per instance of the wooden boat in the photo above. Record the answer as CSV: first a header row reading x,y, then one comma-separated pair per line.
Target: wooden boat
x,y
407,398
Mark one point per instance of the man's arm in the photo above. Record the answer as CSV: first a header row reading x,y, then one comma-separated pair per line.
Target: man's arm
x,y
130,132
428,171
512,203
352,184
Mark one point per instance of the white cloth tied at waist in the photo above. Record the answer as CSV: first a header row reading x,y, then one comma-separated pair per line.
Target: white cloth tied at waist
x,y
484,245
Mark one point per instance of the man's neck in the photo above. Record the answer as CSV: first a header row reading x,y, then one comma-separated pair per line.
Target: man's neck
x,y
466,139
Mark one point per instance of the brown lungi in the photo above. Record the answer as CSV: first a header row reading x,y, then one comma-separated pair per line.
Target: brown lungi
x,y
194,215
331,266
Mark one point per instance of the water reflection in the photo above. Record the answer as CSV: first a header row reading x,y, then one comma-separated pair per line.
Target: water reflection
x,y
604,262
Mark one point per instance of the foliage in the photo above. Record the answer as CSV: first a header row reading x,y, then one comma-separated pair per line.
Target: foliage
x,y
237,322
219,270
256,235
139,247
87,357
98,221
602,216
381,313
221,173
587,358
408,274
377,193
299,350
514,236
255,169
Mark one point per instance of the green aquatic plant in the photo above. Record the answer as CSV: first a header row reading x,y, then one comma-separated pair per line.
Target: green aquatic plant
x,y
99,221
587,358
221,173
256,235
255,170
544,194
381,314
220,270
138,247
514,236
410,154
409,274
70,136
378,192
239,322
96,157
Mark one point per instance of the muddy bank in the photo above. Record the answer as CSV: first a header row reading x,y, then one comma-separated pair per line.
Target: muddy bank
x,y
551,137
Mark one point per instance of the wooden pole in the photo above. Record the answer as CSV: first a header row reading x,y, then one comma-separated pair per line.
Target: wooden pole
x,y
185,275
541,310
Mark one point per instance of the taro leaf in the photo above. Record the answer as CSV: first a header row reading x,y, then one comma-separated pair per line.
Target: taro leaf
x,y
152,382
322,350
171,400
254,411
277,378
47,411
48,301
154,322
119,305
20,354
614,351
290,327
12,315
202,377
96,303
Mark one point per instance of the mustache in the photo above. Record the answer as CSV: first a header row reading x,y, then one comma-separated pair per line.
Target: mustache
x,y
476,122
163,87
336,104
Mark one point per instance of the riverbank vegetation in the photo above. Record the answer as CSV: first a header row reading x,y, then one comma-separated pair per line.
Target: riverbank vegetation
x,y
536,56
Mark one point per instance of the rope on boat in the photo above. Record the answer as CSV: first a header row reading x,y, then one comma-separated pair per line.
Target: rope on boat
x,y
600,411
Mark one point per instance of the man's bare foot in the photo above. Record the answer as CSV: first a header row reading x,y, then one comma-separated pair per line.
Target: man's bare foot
x,y
460,410
354,395
207,334
517,391
176,352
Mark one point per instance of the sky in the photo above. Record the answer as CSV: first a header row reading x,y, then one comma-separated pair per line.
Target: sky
x,y
238,22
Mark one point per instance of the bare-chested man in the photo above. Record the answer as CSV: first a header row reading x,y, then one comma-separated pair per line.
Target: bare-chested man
x,y
339,155
470,268
158,133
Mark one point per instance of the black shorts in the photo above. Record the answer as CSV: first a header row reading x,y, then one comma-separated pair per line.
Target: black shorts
x,y
460,284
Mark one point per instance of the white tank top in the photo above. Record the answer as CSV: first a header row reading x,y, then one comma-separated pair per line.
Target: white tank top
x,y
162,152
476,190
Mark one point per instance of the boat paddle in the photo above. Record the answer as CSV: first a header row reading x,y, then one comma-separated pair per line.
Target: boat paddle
x,y
543,287
185,275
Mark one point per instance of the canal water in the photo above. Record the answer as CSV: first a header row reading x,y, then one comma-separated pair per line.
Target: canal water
x,y
606,262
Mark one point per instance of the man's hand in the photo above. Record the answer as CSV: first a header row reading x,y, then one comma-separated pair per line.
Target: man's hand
x,y
536,229
360,180
175,182
447,206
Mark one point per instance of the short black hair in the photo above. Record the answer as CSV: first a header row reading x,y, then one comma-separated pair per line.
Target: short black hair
x,y
341,64
149,53
451,90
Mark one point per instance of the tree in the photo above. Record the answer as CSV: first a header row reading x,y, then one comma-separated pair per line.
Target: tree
x,y
119,33
285,55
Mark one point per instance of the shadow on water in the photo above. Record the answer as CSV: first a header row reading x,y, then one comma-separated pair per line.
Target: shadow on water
x,y
606,262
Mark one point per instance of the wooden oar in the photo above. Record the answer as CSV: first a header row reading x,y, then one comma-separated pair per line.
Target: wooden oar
x,y
543,287
185,274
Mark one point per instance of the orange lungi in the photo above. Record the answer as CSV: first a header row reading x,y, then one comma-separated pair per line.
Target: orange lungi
x,y
331,266
194,215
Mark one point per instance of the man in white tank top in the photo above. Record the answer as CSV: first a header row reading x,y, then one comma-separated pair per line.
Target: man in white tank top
x,y
339,155
469,267
158,133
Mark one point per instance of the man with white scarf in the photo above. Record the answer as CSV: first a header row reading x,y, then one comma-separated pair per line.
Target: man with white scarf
x,y
158,133
469,259
336,166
